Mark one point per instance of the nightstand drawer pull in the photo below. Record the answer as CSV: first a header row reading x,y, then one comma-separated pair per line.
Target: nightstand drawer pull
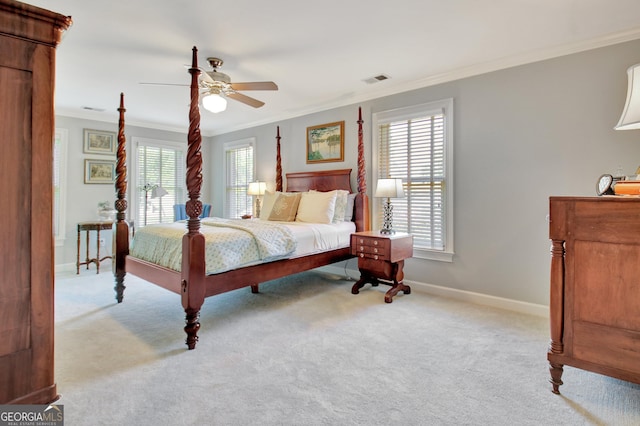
x,y
361,254
375,257
375,242
361,241
375,250
361,248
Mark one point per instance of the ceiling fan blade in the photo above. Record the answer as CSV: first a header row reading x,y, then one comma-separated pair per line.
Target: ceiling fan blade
x,y
258,85
163,84
205,76
203,72
245,99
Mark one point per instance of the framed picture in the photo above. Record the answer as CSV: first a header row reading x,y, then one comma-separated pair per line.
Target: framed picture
x,y
99,142
325,143
99,171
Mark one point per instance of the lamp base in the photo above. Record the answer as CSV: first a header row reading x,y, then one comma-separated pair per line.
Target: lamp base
x,y
387,217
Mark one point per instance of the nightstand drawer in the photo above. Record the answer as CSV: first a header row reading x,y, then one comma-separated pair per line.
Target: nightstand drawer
x,y
370,247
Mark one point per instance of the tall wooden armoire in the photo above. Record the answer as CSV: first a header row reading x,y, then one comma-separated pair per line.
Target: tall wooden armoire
x,y
28,38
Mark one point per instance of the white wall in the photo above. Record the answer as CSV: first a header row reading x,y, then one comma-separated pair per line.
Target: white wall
x,y
82,199
521,135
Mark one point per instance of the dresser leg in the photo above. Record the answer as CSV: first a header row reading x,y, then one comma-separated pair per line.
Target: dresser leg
x,y
556,371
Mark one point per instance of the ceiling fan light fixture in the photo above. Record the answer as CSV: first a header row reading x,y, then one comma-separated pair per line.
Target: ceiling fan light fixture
x,y
214,102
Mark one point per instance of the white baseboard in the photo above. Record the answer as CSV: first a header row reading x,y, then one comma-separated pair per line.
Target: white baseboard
x,y
462,295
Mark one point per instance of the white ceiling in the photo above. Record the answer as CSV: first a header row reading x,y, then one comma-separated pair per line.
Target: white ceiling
x,y
318,53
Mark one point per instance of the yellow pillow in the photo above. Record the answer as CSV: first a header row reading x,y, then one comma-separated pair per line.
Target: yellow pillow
x,y
268,200
285,207
316,207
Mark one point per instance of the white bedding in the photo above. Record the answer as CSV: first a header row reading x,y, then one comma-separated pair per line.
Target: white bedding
x,y
234,243
317,237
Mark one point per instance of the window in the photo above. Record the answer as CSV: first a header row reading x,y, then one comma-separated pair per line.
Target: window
x,y
239,171
61,136
415,144
159,180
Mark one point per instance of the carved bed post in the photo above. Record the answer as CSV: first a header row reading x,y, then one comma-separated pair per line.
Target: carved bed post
x,y
278,162
193,257
362,201
121,227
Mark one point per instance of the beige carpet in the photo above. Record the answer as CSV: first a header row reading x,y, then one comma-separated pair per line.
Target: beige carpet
x,y
307,352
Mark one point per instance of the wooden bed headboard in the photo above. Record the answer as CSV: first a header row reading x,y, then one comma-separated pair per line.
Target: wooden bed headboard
x,y
326,180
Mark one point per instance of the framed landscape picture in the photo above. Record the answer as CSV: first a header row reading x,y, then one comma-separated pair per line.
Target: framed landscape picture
x,y
325,143
99,142
99,171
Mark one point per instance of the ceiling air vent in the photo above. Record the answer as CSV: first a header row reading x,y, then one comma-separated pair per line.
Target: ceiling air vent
x,y
376,79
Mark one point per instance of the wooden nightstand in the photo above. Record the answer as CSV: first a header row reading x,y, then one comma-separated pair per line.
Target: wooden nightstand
x,y
381,259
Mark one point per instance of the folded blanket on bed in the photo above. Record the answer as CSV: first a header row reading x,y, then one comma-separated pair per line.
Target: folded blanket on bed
x,y
229,243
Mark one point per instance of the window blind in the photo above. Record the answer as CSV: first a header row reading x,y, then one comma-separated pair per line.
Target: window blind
x,y
413,150
239,169
159,166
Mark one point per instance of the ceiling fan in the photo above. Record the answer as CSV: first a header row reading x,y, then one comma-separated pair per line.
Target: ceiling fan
x,y
218,83
216,86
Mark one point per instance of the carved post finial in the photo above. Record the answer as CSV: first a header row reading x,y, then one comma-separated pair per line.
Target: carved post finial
x,y
362,178
278,162
121,165
193,206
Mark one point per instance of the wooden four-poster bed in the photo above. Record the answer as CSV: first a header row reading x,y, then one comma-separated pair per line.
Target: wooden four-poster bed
x,y
192,281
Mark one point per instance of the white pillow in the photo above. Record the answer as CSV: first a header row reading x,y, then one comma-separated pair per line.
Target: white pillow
x,y
268,200
348,215
316,207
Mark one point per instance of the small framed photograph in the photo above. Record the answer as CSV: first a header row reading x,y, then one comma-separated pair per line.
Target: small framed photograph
x,y
99,171
99,142
325,143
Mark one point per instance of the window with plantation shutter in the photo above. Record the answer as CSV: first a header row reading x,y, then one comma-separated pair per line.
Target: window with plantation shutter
x,y
158,166
415,144
239,171
59,184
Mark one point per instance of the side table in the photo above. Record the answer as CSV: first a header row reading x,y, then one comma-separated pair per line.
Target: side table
x,y
92,226
381,260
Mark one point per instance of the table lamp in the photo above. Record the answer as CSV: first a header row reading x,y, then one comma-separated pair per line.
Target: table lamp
x,y
388,188
257,189
630,118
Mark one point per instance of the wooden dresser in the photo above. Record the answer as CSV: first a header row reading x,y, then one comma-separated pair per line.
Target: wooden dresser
x,y
28,37
595,286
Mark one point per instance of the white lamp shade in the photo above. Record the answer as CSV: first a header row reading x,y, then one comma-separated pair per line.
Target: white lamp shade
x,y
389,188
214,103
257,188
630,118
158,192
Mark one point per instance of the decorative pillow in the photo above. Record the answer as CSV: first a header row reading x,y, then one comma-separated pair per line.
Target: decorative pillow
x,y
268,200
316,207
348,216
285,207
339,213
